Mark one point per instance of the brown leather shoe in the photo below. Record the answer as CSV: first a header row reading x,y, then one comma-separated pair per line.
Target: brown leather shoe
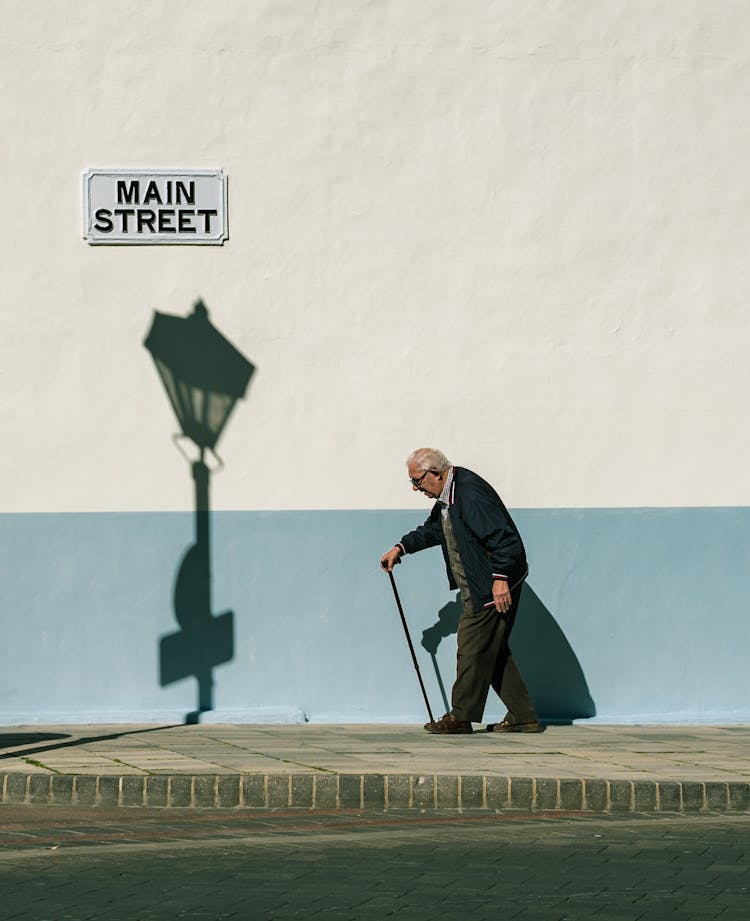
x,y
507,726
448,724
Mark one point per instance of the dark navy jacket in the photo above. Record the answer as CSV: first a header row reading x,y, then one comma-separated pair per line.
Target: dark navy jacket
x,y
488,540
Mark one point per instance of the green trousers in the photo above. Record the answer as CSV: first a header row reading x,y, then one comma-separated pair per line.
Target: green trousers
x,y
483,660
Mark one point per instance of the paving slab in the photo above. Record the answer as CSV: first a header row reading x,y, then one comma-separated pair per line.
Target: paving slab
x,y
579,767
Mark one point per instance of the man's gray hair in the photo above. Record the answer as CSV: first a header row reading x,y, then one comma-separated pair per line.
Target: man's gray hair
x,y
429,459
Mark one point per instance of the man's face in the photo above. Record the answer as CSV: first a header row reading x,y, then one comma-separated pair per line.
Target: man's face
x,y
428,482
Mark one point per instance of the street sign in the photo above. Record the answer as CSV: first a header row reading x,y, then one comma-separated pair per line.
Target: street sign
x,y
124,206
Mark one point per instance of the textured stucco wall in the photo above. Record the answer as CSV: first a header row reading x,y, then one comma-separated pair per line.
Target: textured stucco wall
x,y
517,231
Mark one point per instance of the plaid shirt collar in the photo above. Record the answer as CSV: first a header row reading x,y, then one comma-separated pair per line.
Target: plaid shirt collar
x,y
446,496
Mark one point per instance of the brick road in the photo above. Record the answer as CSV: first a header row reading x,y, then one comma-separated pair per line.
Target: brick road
x,y
144,865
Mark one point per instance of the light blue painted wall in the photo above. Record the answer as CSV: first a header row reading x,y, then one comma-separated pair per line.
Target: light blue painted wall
x,y
653,604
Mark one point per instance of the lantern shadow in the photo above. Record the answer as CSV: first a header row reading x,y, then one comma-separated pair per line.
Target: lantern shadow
x,y
543,654
204,375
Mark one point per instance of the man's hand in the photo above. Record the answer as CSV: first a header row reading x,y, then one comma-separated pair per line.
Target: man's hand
x,y
389,560
501,596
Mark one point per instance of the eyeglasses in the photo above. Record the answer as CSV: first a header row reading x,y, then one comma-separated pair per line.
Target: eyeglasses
x,y
416,482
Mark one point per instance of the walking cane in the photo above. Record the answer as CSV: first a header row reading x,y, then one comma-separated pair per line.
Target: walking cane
x,y
411,646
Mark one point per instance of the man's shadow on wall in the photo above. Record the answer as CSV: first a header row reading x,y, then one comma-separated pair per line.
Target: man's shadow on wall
x,y
544,656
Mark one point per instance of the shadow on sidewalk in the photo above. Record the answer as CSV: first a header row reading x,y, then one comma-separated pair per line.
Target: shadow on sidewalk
x,y
29,738
14,739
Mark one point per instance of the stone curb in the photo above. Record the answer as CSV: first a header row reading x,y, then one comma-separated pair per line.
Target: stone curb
x,y
373,791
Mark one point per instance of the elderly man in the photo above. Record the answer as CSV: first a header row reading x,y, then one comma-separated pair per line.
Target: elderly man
x,y
486,561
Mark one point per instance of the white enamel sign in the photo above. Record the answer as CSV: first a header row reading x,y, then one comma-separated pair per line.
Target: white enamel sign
x,y
154,206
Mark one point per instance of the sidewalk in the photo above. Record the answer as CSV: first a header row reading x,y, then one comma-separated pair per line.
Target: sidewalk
x,y
568,768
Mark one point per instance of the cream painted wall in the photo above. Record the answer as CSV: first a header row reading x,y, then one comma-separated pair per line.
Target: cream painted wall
x,y
517,231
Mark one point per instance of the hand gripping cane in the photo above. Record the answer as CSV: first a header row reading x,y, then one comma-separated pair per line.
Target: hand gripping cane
x,y
411,646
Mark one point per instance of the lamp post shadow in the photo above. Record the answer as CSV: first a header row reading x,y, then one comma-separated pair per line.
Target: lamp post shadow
x,y
204,375
542,652
203,641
